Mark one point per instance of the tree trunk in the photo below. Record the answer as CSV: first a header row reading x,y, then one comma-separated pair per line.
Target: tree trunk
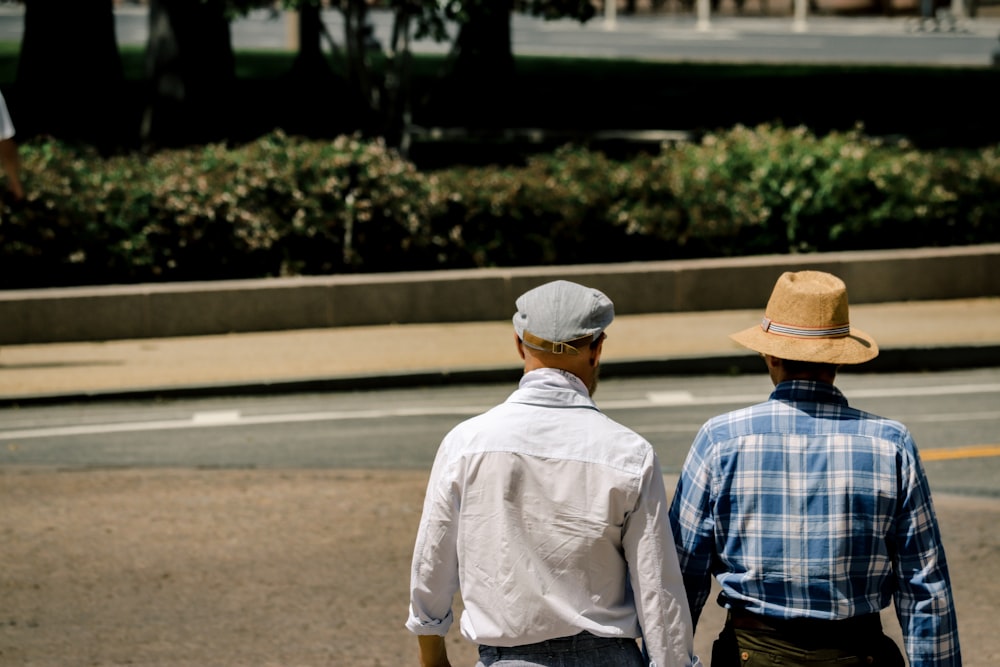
x,y
399,67
310,60
314,95
484,63
191,72
70,82
361,79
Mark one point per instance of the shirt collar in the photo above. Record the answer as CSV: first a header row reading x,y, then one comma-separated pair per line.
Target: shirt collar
x,y
562,386
808,391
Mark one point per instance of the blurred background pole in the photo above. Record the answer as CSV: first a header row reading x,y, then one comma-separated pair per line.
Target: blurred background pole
x,y
292,30
704,10
801,8
610,10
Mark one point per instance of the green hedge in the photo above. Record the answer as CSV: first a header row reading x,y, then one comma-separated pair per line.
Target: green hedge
x,y
287,206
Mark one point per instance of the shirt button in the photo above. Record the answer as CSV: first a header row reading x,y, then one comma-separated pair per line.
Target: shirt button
x,y
744,656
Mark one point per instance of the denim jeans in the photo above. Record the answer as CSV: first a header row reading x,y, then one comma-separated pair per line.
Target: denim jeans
x,y
582,650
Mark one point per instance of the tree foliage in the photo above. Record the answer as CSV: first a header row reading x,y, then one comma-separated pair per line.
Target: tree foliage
x,y
69,54
378,83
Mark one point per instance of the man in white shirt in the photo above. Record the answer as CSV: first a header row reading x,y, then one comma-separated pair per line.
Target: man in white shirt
x,y
549,517
10,159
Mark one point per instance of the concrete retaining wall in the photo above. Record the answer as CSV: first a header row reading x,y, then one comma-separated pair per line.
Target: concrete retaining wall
x,y
218,307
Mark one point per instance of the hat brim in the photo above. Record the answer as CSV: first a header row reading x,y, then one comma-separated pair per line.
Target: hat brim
x,y
855,348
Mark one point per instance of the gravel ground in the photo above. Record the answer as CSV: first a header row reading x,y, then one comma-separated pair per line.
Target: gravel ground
x,y
278,567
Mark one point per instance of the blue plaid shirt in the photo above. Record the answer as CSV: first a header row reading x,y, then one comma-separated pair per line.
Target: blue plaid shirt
x,y
804,507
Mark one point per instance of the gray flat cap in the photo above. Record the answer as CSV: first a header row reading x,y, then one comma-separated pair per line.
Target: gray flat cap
x,y
561,312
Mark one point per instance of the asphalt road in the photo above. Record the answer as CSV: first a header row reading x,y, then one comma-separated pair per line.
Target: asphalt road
x,y
678,38
666,37
953,416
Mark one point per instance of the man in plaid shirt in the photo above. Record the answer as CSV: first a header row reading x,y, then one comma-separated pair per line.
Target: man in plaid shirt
x,y
813,516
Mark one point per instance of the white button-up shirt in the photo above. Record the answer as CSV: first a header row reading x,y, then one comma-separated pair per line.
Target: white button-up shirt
x,y
551,519
6,126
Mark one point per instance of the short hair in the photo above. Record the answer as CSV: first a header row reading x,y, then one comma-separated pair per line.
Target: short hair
x,y
794,367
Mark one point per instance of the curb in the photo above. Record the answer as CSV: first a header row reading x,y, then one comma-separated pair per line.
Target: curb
x,y
34,316
894,360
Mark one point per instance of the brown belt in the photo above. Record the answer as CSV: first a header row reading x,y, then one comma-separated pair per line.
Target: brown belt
x,y
745,621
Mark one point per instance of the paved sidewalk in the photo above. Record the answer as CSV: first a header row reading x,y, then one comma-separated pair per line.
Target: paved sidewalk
x,y
912,335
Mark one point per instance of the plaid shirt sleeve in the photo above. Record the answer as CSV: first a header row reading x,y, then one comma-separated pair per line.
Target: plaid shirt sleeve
x,y
924,604
693,525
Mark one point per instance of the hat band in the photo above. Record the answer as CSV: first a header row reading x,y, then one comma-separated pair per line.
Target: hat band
x,y
567,347
838,331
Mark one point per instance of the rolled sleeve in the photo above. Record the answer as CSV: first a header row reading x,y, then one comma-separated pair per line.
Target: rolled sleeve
x,y
434,577
655,576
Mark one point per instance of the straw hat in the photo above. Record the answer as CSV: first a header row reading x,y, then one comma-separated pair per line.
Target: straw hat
x,y
807,319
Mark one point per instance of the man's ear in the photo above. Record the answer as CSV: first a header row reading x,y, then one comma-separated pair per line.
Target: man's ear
x,y
520,346
772,361
595,351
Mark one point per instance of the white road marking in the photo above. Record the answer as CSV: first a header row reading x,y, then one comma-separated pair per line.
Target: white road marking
x,y
952,417
216,417
671,397
229,418
674,398
947,390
